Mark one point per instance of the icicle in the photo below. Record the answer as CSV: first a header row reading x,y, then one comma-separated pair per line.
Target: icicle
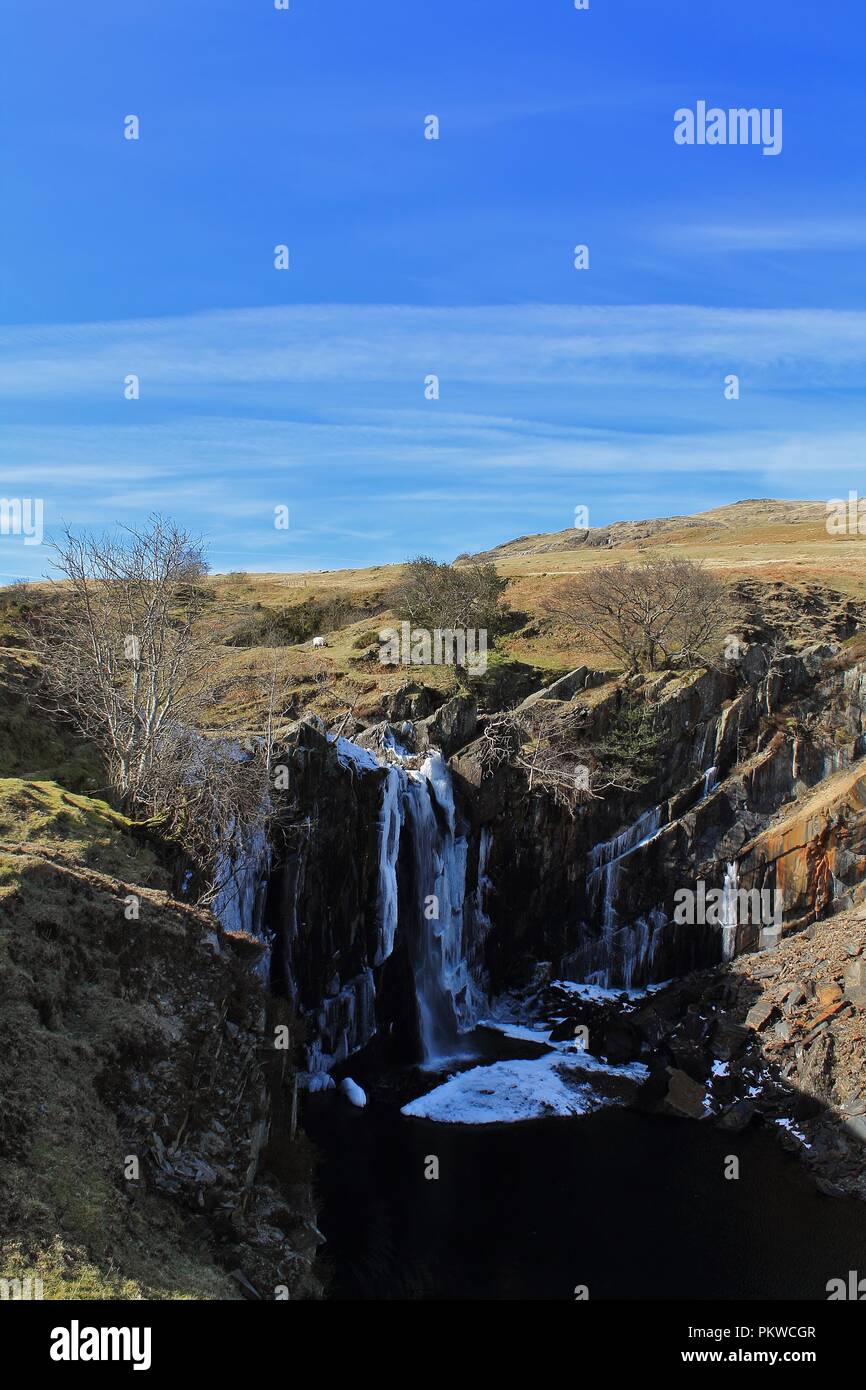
x,y
631,947
239,903
444,988
390,825
730,895
711,781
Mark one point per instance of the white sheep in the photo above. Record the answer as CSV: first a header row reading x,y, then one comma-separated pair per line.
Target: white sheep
x,y
320,642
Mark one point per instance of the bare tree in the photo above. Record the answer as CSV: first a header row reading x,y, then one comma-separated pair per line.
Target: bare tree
x,y
557,755
773,653
661,612
123,656
120,647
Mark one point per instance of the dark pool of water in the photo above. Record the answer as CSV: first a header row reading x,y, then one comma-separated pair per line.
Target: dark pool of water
x,y
633,1206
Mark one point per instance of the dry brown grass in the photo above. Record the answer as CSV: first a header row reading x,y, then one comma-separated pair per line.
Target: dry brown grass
x,y
770,541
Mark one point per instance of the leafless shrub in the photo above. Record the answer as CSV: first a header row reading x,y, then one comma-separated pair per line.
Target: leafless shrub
x,y
662,612
556,755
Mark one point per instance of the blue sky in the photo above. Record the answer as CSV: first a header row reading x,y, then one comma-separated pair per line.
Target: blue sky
x,y
409,257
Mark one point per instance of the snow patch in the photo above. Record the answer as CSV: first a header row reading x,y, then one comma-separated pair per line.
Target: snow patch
x,y
352,755
516,1030
785,1123
507,1092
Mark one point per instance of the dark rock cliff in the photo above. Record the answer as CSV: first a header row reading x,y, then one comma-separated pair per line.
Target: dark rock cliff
x,y
760,770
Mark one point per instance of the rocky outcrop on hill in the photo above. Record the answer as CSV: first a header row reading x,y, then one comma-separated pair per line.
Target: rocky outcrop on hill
x,y
712,525
799,614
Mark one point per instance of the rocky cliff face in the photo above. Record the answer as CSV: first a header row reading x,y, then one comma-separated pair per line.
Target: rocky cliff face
x,y
146,1141
759,786
369,853
748,777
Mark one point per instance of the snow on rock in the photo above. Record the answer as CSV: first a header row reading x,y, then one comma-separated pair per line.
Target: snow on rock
x,y
352,755
788,1124
509,1091
353,1092
517,1031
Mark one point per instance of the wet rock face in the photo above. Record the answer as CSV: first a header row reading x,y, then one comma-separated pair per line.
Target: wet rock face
x,y
541,904
815,856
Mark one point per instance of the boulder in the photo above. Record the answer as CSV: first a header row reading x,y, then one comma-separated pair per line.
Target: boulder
x,y
651,1026
728,1039
568,686
671,1092
620,1042
737,1117
815,1066
411,700
759,1015
452,726
378,737
689,1057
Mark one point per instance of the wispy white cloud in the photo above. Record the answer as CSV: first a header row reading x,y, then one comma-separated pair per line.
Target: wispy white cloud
x,y
264,350
321,409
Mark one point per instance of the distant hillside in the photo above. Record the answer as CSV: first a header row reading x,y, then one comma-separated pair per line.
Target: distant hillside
x,y
732,523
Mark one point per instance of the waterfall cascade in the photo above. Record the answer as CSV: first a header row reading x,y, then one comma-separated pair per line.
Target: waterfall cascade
x,y
445,990
390,825
443,925
624,948
711,781
423,849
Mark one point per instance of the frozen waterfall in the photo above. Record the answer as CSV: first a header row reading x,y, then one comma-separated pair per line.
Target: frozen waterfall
x,y
624,949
